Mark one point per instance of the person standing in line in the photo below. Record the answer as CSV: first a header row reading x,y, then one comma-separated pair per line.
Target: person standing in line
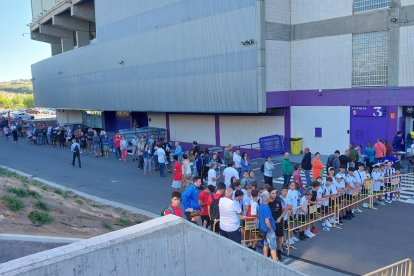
x,y
140,152
161,155
287,170
178,150
267,225
370,153
268,171
306,165
123,146
317,166
96,140
237,160
230,211
75,148
117,145
14,133
134,143
175,207
190,200
380,150
229,173
177,175
228,155
147,159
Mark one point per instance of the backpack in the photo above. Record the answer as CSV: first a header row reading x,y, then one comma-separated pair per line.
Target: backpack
x,y
331,158
262,168
214,208
170,209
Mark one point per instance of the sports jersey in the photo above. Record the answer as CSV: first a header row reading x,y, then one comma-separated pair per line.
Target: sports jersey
x,y
387,173
328,190
293,198
376,176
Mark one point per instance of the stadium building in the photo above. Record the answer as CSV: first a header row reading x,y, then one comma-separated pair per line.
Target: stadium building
x,y
231,71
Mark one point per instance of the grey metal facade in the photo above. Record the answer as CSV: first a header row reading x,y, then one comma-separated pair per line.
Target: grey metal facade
x,y
172,56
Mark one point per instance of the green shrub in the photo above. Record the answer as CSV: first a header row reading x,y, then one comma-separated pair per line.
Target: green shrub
x,y
58,191
14,203
124,221
20,192
42,205
107,225
45,188
39,218
78,201
33,194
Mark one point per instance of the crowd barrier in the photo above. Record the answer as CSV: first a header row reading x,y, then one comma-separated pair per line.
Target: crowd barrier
x,y
401,268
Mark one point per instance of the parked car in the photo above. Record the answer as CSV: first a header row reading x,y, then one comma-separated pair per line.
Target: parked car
x,y
22,115
32,111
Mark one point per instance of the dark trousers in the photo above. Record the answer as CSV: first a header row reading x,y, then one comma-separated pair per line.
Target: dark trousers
x,y
76,155
140,162
268,180
286,180
234,236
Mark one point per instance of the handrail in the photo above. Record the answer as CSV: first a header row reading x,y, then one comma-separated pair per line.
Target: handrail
x,y
404,265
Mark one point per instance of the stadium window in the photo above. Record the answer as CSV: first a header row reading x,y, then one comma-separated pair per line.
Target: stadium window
x,y
367,5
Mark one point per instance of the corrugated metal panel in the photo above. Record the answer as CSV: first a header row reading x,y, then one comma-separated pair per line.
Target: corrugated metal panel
x,y
195,66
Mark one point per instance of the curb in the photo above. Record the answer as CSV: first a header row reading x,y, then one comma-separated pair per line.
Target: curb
x,y
33,238
85,195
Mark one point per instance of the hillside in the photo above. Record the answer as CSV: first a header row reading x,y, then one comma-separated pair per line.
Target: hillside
x,y
17,86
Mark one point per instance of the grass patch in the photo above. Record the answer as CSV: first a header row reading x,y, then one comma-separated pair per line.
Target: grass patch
x,y
58,191
124,221
45,188
39,218
42,205
14,203
96,205
78,201
21,192
107,225
65,194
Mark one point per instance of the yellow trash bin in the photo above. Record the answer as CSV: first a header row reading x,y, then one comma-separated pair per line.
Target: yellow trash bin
x,y
296,145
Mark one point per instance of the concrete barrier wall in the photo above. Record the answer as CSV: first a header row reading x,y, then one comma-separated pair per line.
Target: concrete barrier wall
x,y
163,246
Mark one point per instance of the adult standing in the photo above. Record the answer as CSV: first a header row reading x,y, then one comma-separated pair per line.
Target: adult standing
x,y
344,159
380,150
228,155
14,133
212,175
177,175
268,171
140,152
287,170
333,162
123,146
117,145
230,172
267,225
75,148
134,143
178,150
317,166
162,158
230,211
190,199
370,153
398,142
306,165
353,155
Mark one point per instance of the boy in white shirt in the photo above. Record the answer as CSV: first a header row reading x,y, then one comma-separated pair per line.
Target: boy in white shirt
x,y
292,198
303,214
212,175
377,183
328,202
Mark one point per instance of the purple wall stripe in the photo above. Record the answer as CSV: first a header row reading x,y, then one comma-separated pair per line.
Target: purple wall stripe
x,y
217,128
287,128
387,96
167,123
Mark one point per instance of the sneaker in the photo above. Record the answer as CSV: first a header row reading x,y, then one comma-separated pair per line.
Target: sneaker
x,y
365,205
295,239
394,199
358,210
326,229
328,224
308,235
389,201
382,203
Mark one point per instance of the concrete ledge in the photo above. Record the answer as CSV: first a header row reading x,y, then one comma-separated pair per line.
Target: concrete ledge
x,y
33,238
164,246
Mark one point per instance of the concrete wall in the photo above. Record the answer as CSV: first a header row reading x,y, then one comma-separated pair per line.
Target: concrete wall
x,y
177,56
163,246
314,10
157,120
189,128
278,65
407,2
322,63
240,130
406,64
68,116
334,121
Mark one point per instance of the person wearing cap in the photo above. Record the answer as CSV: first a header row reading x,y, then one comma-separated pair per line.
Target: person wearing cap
x,y
378,182
75,148
230,215
204,200
267,225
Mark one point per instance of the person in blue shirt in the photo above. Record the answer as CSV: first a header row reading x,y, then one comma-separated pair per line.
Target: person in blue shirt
x,y
189,198
178,151
267,224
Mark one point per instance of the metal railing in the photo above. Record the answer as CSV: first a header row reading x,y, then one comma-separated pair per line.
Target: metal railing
x,y
401,268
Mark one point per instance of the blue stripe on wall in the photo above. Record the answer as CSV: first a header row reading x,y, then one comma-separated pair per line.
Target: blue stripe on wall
x,y
176,13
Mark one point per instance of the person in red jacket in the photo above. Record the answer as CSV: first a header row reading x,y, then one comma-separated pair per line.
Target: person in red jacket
x,y
317,166
117,145
175,207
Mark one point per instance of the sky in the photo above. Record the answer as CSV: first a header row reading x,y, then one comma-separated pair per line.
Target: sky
x,y
18,52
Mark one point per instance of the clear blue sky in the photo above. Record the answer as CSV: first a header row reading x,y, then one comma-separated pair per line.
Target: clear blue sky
x,y
18,52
